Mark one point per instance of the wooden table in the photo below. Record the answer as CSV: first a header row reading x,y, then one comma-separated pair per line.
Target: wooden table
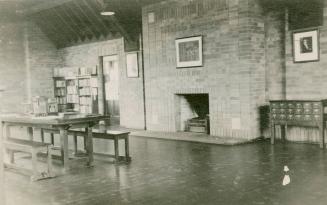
x,y
61,123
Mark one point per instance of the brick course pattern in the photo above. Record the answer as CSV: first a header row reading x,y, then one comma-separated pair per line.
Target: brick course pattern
x,y
234,63
12,66
42,57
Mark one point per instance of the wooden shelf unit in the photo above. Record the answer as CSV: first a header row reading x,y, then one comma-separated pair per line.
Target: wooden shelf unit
x,y
87,89
306,113
60,93
72,94
77,89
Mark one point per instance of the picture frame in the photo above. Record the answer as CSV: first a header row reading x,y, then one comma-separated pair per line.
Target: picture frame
x,y
132,68
306,46
189,52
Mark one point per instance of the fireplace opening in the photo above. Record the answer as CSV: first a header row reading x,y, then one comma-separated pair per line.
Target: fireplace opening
x,y
193,113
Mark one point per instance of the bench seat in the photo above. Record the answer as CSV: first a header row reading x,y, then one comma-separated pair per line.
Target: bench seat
x,y
17,145
101,134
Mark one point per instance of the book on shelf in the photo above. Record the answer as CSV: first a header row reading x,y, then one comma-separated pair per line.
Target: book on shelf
x,y
94,82
60,92
85,109
84,82
85,71
85,100
71,90
72,99
85,91
60,84
61,100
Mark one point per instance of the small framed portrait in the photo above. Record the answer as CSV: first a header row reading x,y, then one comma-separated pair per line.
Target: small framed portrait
x,y
189,52
306,46
132,65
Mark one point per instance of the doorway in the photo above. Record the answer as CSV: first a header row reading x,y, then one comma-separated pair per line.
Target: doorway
x,y
111,87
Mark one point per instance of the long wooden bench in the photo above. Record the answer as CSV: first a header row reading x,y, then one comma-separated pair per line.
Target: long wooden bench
x,y
97,134
17,145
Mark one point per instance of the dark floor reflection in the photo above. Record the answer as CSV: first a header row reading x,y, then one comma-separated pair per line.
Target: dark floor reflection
x,y
172,172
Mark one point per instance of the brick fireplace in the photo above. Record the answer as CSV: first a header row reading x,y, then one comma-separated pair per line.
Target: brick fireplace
x,y
232,75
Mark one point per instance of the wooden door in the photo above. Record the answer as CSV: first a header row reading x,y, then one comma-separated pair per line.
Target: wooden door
x,y
111,82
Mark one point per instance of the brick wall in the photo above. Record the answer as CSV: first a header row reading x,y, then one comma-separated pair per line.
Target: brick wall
x,y
131,89
27,59
12,66
275,55
234,63
42,57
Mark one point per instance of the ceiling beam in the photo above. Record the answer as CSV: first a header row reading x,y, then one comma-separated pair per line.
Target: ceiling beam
x,y
96,14
68,28
78,20
48,4
50,30
86,20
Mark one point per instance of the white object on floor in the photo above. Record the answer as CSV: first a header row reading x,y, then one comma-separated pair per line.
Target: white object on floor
x,y
286,169
286,180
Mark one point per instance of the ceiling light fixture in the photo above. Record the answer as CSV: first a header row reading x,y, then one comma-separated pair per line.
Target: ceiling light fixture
x,y
107,13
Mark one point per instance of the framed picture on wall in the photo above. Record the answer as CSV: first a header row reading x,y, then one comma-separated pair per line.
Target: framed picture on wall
x,y
189,52
306,46
132,65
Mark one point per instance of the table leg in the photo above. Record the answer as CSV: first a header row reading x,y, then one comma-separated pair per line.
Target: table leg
x,y
7,132
42,135
64,148
2,181
75,144
272,137
30,133
34,163
52,138
89,146
322,134
127,148
283,129
116,149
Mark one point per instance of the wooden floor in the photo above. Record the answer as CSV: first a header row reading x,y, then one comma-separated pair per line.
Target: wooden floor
x,y
174,172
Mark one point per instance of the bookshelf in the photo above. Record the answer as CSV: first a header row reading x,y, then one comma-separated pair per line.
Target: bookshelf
x,y
76,89
60,93
85,96
72,94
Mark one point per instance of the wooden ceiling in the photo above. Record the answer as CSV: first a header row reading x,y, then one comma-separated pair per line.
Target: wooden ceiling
x,y
67,22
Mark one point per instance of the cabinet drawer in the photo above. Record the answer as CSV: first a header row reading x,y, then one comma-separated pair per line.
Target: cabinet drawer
x,y
291,105
307,105
299,105
307,117
316,105
307,111
274,116
316,111
275,105
282,105
298,117
282,117
282,111
298,111
316,117
290,111
290,117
